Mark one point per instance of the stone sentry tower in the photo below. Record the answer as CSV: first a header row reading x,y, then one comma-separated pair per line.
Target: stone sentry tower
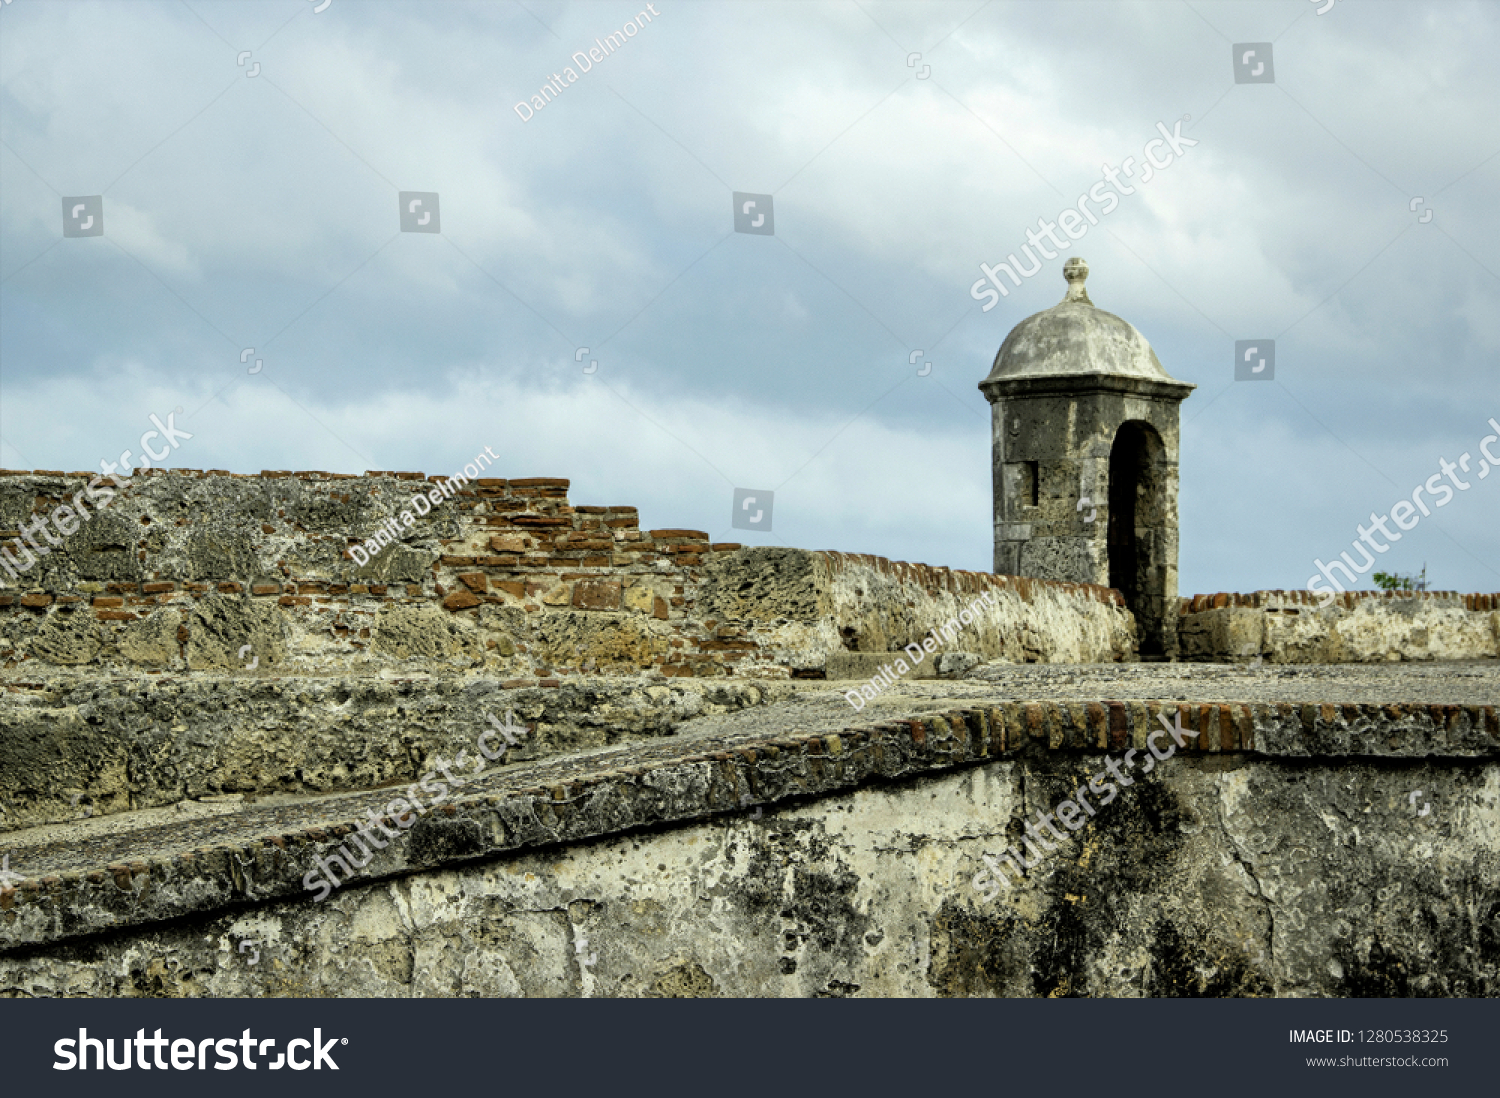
x,y
1085,424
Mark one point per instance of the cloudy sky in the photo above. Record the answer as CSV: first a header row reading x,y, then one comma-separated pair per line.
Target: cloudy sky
x,y
251,209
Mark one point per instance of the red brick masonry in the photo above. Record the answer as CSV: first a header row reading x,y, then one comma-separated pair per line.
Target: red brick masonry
x,y
511,544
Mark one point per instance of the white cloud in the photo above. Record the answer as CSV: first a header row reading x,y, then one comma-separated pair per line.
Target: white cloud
x,y
257,215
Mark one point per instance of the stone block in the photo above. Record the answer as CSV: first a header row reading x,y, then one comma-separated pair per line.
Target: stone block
x,y
596,594
640,598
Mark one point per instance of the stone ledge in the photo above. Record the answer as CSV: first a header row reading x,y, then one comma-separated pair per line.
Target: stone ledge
x,y
76,889
119,743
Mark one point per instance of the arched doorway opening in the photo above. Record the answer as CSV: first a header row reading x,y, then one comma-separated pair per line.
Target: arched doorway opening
x,y
1137,533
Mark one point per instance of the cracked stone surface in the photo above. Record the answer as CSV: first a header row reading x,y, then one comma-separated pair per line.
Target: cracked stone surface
x,y
824,705
1213,880
1300,847
112,745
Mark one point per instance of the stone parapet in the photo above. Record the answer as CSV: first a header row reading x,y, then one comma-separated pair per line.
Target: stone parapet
x,y
1355,627
189,571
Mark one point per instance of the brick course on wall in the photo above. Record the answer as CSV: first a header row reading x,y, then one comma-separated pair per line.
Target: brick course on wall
x,y
1348,600
1354,627
184,569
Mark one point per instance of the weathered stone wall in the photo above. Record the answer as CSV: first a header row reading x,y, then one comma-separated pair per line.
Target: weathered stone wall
x,y
207,636
804,606
1281,853
1356,627
73,746
185,569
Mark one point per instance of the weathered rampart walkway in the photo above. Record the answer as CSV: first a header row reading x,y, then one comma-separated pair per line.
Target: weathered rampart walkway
x,y
1296,846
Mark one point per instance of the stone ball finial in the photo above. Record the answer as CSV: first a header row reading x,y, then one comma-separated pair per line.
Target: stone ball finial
x,y
1076,271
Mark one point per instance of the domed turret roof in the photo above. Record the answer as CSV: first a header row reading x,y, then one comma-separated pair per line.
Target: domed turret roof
x,y
1074,338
